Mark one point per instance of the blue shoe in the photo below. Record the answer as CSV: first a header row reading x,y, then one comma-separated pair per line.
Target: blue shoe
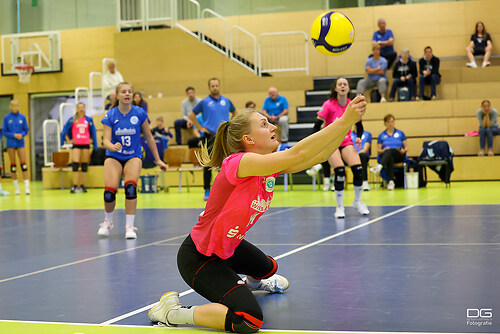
x,y
207,193
4,193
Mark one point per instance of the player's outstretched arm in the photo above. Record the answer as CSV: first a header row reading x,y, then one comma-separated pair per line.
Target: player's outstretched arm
x,y
316,147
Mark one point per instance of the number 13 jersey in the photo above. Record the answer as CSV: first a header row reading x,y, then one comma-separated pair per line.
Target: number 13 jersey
x,y
126,130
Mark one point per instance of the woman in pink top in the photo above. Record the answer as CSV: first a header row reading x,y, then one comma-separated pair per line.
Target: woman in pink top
x,y
80,131
331,110
215,252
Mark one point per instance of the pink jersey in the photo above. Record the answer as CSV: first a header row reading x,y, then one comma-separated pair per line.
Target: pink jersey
x,y
330,111
81,132
234,205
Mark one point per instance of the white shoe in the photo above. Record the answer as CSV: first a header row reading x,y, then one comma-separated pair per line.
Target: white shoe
x,y
376,170
314,170
340,212
486,63
104,228
326,183
361,207
383,100
471,64
4,192
27,191
390,185
17,192
366,186
273,284
168,302
130,232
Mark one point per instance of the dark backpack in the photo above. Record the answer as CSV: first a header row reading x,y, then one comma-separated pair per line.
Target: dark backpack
x,y
375,96
438,150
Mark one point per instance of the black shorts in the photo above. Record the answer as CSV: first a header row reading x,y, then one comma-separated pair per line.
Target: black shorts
x,y
122,162
217,280
82,147
479,50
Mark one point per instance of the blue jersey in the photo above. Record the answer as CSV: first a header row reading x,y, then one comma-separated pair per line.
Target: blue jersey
x,y
275,107
14,123
379,37
126,130
382,62
365,138
394,141
214,111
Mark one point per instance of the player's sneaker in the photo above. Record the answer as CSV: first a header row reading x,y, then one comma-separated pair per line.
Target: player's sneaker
x,y
104,228
361,207
83,189
340,212
207,193
4,192
314,170
471,64
273,284
27,191
17,192
130,232
326,184
168,302
376,170
366,186
390,185
73,190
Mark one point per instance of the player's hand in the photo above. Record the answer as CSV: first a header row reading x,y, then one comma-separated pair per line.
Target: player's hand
x,y
117,147
161,164
189,124
358,143
356,109
18,136
204,129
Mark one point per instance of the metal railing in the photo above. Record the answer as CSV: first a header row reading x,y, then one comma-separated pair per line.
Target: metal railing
x,y
221,48
190,14
95,95
130,13
283,54
51,140
247,52
62,115
159,11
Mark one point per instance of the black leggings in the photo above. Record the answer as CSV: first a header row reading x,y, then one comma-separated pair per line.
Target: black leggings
x,y
388,158
365,158
218,281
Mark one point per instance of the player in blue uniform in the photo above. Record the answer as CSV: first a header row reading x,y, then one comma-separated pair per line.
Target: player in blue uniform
x,y
215,109
122,139
15,128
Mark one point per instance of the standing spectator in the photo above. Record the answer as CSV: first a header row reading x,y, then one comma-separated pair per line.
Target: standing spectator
x,y
80,131
429,72
392,148
110,79
138,101
364,148
215,109
385,39
404,74
480,44
186,106
488,126
15,128
275,108
376,68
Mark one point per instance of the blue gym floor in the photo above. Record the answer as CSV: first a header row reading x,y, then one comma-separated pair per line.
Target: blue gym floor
x,y
402,269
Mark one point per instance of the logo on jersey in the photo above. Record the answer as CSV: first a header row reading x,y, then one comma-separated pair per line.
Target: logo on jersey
x,y
20,121
270,184
260,205
124,132
222,103
277,104
396,135
134,120
233,232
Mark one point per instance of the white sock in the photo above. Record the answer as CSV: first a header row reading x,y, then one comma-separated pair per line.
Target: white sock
x,y
0,187
16,185
26,184
339,196
253,285
109,216
129,219
357,192
181,316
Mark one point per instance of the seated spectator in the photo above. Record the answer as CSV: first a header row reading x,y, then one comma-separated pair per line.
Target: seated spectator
x,y
480,44
275,108
392,148
110,79
161,131
250,105
404,74
364,147
429,72
488,126
385,39
186,106
137,100
376,68
110,101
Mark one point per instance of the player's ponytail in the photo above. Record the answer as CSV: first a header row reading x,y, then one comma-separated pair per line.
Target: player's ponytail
x,y
228,140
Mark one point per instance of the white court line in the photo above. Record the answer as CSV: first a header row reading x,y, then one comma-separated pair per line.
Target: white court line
x,y
296,250
89,259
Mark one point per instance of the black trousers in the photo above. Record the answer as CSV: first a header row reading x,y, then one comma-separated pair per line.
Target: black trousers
x,y
207,172
364,157
388,158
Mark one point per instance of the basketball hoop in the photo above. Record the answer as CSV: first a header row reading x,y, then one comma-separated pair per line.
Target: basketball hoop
x,y
24,72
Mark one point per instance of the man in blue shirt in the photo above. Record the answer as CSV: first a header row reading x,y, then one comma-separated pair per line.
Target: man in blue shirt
x,y
275,108
385,39
15,128
364,148
215,109
376,68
